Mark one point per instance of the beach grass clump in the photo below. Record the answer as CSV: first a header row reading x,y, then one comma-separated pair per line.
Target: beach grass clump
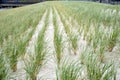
x,y
35,62
24,40
98,71
84,54
58,47
12,52
74,41
72,36
113,38
4,70
69,70
101,48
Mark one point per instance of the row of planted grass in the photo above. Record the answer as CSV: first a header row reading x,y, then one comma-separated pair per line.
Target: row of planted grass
x,y
72,36
66,69
36,61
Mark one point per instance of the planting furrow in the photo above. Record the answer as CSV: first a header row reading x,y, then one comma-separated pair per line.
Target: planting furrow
x,y
47,72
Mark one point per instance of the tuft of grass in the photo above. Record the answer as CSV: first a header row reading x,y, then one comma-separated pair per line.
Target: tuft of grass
x,y
11,49
98,71
74,39
69,70
35,63
112,40
4,71
23,41
58,47
101,48
84,54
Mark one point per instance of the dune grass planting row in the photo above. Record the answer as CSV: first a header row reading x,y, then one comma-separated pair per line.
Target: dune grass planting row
x,y
66,69
35,61
72,35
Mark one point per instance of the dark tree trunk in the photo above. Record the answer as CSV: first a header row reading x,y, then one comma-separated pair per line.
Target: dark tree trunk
x,y
100,1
